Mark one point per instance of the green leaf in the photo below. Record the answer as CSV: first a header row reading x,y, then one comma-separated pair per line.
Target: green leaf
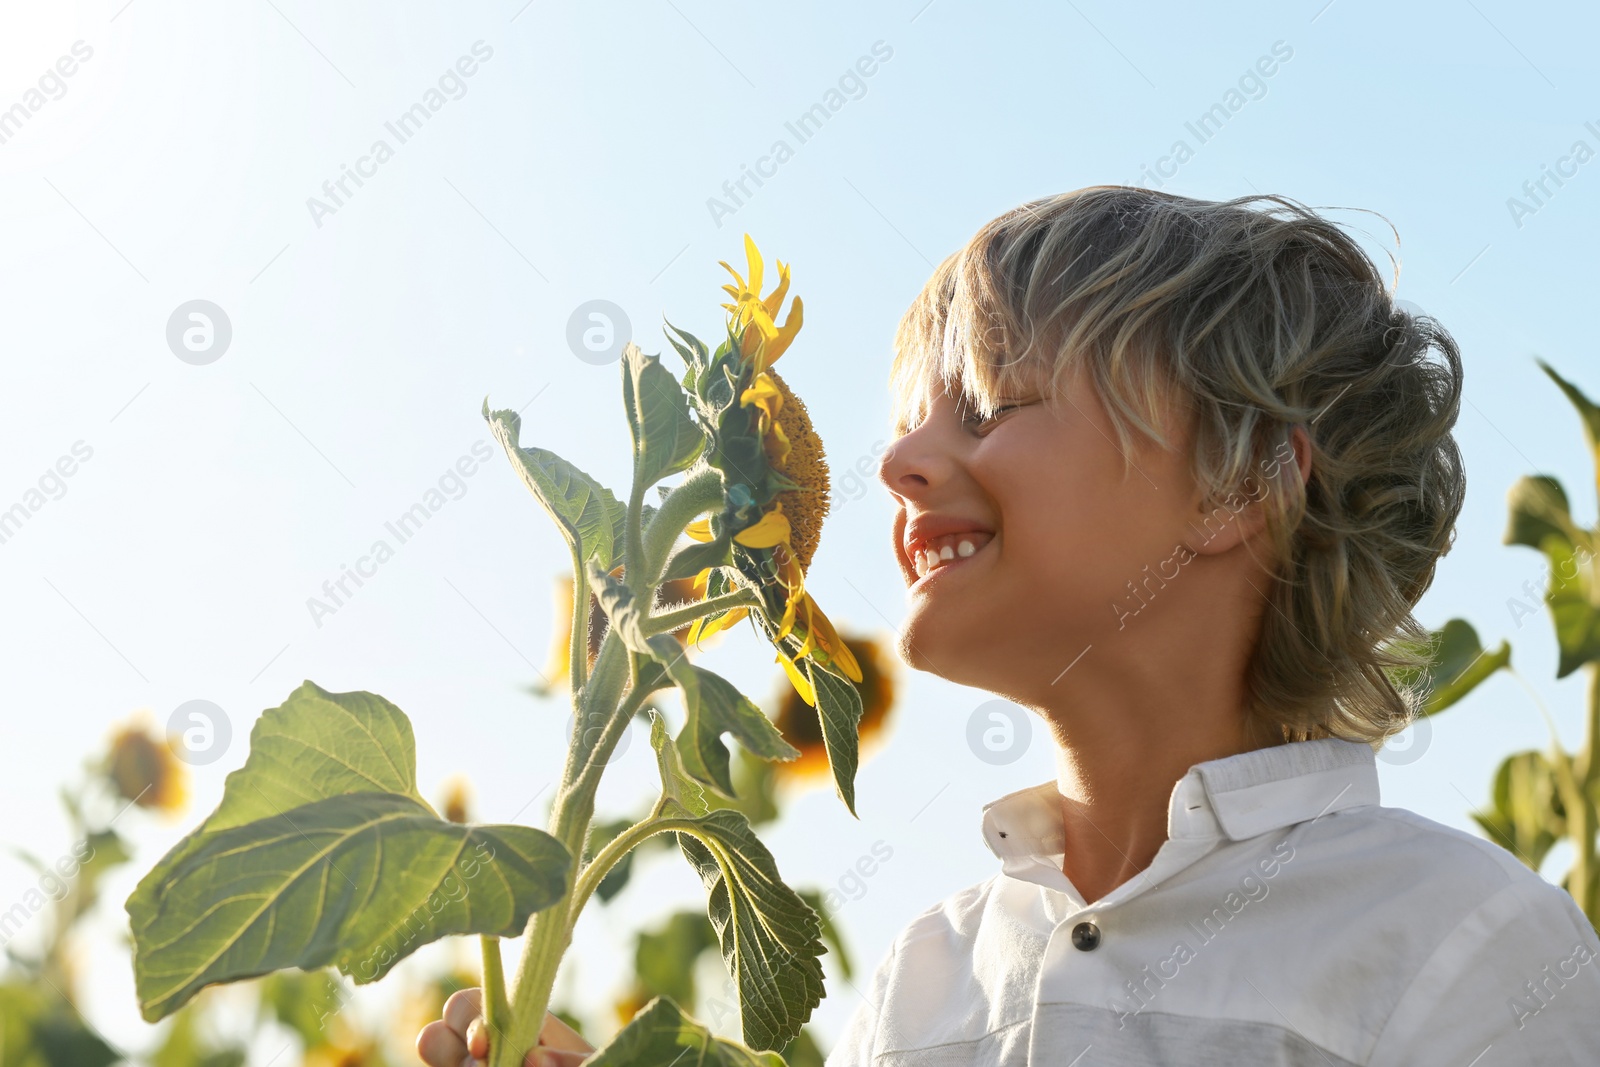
x,y
183,1046
677,787
625,613
316,744
662,1036
830,932
839,710
1586,410
715,706
329,792
1526,815
1537,506
691,348
666,439
770,937
39,1029
803,1052
1458,664
590,517
1571,599
357,881
693,558
303,1001
664,958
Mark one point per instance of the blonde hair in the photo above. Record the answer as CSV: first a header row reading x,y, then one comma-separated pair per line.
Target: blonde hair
x,y
1253,322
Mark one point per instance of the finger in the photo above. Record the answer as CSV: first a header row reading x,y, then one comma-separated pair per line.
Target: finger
x,y
557,1035
478,1038
550,1057
440,1046
463,1006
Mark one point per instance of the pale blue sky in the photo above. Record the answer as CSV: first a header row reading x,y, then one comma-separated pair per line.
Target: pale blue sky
x,y
575,163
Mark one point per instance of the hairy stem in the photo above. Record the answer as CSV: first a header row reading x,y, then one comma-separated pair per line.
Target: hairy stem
x,y
496,1008
614,850
671,620
695,496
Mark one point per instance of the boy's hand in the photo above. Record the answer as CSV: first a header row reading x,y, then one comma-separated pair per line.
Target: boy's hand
x,y
461,1039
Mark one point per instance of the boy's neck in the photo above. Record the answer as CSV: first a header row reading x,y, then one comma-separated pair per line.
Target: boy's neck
x,y
1115,795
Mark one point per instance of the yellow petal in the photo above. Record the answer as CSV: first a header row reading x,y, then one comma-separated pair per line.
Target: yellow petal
x,y
778,342
753,258
700,530
773,529
822,633
775,300
763,393
797,679
776,444
705,627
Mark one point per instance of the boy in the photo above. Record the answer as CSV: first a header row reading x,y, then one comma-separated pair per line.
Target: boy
x,y
1169,473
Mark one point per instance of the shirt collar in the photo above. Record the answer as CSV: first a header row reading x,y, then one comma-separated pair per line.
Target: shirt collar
x,y
1237,796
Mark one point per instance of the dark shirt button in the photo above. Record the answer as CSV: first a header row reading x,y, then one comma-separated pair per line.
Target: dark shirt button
x,y
1086,935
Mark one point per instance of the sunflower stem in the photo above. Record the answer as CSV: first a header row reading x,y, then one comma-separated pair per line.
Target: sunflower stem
x,y
495,1006
693,497
549,932
596,870
671,620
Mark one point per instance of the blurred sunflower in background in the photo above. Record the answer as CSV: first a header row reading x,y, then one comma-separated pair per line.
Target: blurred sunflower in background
x,y
801,726
141,768
769,451
457,805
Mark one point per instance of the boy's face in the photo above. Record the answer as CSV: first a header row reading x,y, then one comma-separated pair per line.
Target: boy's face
x,y
1069,534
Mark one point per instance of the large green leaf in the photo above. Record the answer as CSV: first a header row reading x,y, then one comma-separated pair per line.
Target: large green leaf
x,y
590,517
357,881
320,852
770,937
839,709
661,1035
666,439
1526,815
1457,666
316,744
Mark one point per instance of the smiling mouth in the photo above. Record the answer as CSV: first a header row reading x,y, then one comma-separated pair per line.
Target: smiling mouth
x,y
944,553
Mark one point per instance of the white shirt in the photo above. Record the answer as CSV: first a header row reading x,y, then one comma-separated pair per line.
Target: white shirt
x,y
1289,919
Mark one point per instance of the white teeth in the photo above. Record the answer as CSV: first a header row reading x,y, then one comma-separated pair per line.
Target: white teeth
x,y
928,558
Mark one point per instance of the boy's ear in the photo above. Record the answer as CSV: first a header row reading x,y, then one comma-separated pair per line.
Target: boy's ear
x,y
1237,518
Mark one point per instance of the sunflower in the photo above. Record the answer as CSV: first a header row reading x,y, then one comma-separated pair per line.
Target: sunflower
x,y
142,769
802,727
789,498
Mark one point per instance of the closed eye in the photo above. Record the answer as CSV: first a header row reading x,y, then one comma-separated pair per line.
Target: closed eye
x,y
969,420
